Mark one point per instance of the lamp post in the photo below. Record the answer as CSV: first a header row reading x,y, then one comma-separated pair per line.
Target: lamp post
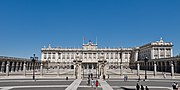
x,y
145,60
34,58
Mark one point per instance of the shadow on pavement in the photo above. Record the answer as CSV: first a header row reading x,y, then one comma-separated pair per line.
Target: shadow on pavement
x,y
127,88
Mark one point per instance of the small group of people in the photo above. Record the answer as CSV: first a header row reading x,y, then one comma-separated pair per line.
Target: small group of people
x,y
175,86
141,87
92,82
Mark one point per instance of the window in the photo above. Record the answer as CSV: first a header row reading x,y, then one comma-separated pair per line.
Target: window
x,y
72,55
53,56
111,55
90,55
107,56
168,52
116,56
59,55
49,55
85,55
63,56
67,55
162,52
45,55
126,55
120,56
94,55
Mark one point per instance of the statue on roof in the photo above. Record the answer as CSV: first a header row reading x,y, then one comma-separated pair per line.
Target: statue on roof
x,y
161,39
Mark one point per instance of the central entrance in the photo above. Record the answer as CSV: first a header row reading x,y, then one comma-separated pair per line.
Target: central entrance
x,y
89,70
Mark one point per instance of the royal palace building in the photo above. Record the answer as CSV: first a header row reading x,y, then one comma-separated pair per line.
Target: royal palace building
x,y
90,54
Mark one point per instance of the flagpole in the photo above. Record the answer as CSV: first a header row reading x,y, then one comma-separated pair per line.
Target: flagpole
x,y
83,40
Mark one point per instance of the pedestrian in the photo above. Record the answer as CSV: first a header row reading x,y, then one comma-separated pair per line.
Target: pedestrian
x,y
88,75
108,76
137,86
91,75
97,84
174,86
177,86
164,75
147,88
88,81
104,77
92,82
66,78
142,88
139,78
124,77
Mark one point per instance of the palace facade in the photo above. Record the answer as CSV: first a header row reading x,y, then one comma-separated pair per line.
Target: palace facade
x,y
90,54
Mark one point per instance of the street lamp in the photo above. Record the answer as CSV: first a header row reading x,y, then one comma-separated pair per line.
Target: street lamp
x,y
34,58
146,60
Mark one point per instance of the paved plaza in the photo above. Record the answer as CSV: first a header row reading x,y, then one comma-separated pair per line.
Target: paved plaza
x,y
50,81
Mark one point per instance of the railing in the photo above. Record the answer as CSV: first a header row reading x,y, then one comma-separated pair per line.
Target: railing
x,y
14,58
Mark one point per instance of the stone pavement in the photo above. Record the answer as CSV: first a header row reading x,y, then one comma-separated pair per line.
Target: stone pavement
x,y
105,85
74,85
114,83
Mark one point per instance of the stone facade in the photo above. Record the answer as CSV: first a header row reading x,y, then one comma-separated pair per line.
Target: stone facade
x,y
90,54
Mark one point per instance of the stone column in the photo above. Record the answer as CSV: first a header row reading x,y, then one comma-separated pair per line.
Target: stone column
x,y
155,69
98,70
27,65
105,70
58,70
24,68
13,67
41,69
101,71
3,66
7,68
121,70
20,66
17,66
172,69
79,71
138,69
92,66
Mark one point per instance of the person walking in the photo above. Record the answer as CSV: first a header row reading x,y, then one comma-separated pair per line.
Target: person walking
x,y
88,81
97,83
174,86
147,88
139,78
177,86
142,88
137,86
92,82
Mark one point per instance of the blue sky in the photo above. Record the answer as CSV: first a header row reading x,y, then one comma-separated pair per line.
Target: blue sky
x,y
27,25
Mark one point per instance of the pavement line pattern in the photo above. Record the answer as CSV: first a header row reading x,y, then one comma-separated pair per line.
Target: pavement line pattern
x,y
11,87
149,80
105,85
150,87
31,80
74,85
